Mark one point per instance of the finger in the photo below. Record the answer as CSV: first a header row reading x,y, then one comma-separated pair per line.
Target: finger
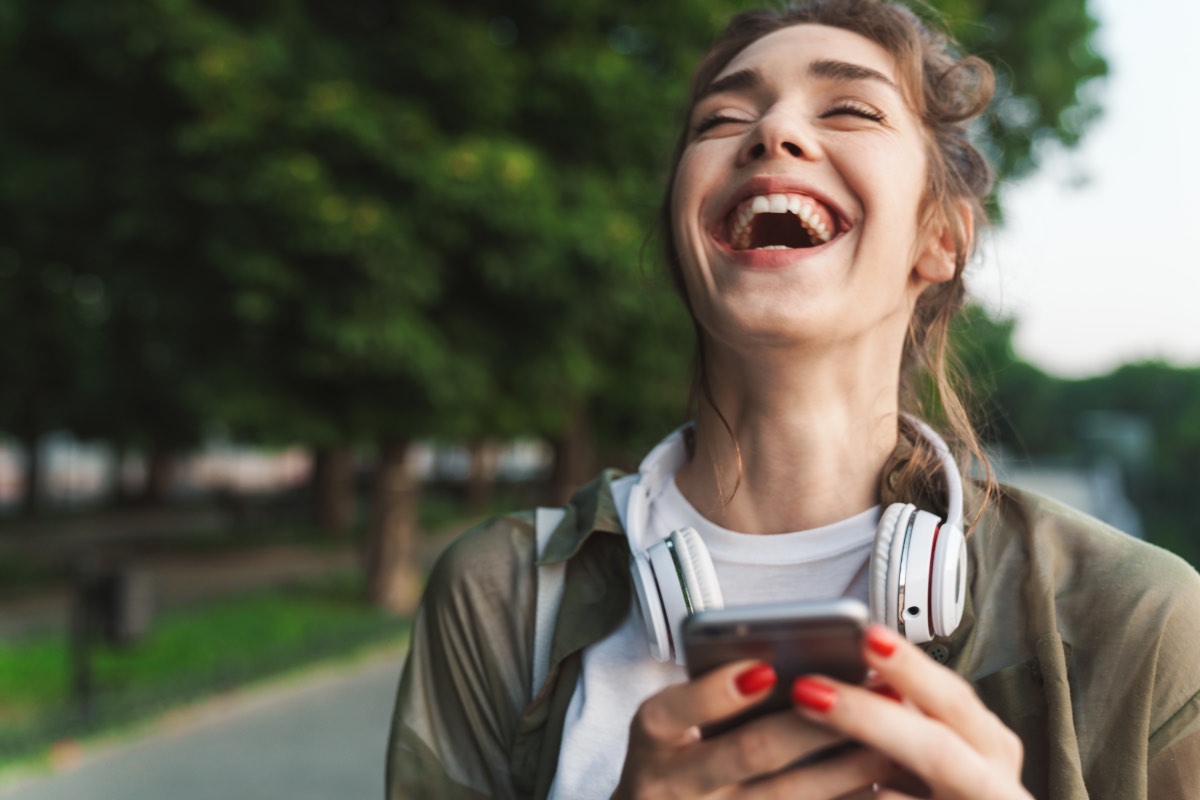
x,y
883,690
925,746
844,775
757,748
940,693
673,715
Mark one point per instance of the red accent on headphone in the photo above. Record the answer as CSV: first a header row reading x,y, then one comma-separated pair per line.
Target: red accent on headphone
x,y
932,556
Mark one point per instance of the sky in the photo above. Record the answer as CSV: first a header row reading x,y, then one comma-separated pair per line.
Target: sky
x,y
1107,270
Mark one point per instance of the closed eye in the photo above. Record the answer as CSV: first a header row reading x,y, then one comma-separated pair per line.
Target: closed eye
x,y
710,122
855,110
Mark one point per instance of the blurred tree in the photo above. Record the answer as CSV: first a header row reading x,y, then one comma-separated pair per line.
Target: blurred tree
x,y
1168,399
334,287
108,298
1018,406
1044,53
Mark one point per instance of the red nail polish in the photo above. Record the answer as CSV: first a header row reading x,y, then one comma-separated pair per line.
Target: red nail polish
x,y
755,679
813,694
881,641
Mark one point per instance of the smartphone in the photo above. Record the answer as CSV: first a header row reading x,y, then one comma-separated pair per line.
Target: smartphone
x,y
822,638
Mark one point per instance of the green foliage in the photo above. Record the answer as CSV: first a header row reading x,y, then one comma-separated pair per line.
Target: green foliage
x,y
1044,55
1017,404
106,297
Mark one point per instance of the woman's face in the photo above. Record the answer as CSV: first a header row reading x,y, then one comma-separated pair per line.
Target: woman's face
x,y
796,200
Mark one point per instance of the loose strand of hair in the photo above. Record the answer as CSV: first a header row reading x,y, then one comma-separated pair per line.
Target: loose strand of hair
x,y
707,395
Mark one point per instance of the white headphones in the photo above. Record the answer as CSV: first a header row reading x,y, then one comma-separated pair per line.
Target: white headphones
x,y
918,569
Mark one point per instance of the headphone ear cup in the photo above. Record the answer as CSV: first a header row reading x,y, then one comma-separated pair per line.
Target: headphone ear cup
x,y
918,577
949,590
696,566
681,580
883,592
650,607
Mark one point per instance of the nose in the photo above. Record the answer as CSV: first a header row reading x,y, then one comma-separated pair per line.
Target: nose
x,y
778,135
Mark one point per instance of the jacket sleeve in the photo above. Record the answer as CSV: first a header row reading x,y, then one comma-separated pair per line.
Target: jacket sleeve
x,y
467,677
1173,770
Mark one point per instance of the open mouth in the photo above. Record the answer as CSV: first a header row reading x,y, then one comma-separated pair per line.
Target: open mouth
x,y
781,222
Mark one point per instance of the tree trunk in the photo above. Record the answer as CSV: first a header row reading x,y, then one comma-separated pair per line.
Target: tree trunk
x,y
574,457
333,489
121,496
393,579
160,469
31,500
481,482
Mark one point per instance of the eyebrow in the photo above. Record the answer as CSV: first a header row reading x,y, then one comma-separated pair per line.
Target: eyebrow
x,y
744,80
747,80
845,71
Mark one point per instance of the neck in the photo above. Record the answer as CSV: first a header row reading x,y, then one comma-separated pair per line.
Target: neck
x,y
809,442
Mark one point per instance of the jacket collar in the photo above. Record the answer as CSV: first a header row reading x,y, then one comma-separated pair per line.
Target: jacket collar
x,y
591,510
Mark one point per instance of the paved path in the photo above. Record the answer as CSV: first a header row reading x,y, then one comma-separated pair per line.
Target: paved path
x,y
318,738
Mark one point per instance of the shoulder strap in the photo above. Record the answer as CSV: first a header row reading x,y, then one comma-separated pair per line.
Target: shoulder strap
x,y
550,579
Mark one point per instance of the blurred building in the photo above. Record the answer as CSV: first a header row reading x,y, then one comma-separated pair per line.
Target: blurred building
x,y
76,474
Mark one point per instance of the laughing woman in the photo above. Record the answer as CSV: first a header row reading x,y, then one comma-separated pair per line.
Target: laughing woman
x,y
818,220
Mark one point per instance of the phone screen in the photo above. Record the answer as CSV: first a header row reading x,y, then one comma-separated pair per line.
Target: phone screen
x,y
796,639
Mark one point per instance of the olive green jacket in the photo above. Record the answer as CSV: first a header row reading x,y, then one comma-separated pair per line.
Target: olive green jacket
x,y
1086,642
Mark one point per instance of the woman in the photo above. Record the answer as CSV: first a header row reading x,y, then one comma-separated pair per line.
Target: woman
x,y
820,214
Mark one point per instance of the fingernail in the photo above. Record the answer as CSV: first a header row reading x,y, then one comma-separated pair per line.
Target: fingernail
x,y
881,641
813,694
755,679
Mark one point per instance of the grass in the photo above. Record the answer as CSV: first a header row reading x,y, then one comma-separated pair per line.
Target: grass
x,y
188,654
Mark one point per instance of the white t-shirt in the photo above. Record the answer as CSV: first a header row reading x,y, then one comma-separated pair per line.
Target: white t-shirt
x,y
619,672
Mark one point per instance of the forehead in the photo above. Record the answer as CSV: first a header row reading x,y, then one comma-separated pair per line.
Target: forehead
x,y
787,51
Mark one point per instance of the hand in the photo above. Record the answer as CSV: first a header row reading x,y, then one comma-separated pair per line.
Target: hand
x,y
667,758
941,733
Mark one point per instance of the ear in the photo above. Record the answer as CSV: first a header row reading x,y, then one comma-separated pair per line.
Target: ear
x,y
935,260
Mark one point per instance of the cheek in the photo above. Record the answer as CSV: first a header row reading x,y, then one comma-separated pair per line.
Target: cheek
x,y
686,188
900,196
687,192
679,204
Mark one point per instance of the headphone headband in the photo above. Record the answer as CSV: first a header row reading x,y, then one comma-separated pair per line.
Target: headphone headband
x,y
954,489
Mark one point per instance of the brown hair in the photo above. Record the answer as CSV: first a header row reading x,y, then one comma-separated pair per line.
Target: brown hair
x,y
946,92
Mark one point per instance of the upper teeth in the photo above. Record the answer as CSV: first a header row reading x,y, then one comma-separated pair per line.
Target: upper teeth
x,y
805,209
